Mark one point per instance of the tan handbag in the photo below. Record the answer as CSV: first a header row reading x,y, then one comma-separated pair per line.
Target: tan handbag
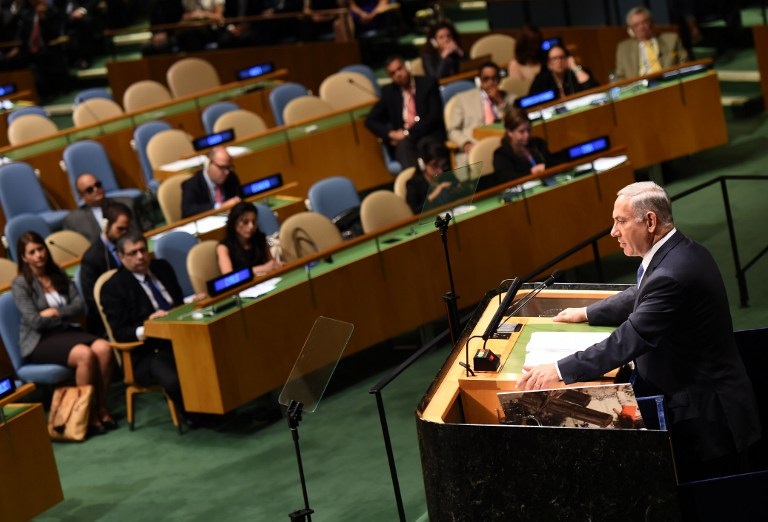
x,y
70,409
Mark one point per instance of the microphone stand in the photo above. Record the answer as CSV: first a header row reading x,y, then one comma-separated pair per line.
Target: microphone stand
x,y
449,297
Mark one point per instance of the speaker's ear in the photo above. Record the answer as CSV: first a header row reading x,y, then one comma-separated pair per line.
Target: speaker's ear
x,y
630,32
421,164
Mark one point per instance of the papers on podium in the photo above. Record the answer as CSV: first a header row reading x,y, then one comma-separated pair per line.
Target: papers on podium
x,y
549,347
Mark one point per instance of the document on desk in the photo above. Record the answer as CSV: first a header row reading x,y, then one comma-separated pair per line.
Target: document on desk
x,y
260,289
548,347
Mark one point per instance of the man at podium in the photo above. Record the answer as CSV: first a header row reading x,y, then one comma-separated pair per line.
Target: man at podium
x,y
676,326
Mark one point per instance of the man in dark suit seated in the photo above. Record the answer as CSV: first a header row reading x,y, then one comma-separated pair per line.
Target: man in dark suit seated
x,y
141,290
102,256
214,186
87,219
410,111
676,327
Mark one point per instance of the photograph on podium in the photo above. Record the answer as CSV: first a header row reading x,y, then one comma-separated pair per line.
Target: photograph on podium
x,y
610,406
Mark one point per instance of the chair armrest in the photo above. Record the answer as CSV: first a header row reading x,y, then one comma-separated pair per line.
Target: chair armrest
x,y
126,347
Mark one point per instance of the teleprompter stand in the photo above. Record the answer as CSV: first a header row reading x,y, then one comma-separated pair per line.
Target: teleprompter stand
x,y
307,382
441,223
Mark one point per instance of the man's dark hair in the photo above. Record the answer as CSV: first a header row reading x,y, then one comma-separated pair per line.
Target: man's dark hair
x,y
134,236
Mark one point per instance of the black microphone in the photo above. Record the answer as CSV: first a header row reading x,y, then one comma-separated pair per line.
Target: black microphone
x,y
541,286
496,319
63,249
362,88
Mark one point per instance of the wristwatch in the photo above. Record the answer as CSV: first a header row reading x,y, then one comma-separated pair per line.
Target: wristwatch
x,y
578,68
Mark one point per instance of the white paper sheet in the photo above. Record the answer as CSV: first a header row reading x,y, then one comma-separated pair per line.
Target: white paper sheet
x,y
261,288
548,347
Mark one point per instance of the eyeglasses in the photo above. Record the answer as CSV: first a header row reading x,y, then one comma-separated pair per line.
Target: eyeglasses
x,y
225,168
136,251
489,78
557,58
92,188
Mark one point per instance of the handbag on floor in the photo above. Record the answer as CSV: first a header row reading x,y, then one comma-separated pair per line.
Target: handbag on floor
x,y
70,409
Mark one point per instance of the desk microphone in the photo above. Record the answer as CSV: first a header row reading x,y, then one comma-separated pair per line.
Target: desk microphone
x,y
63,249
363,88
541,286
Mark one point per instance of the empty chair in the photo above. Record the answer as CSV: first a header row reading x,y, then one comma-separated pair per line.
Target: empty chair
x,y
416,66
382,208
89,156
306,233
367,72
449,90
141,136
202,265
515,86
17,225
346,89
144,93
482,152
8,271
267,219
22,193
95,110
212,113
281,95
125,348
34,109
174,247
333,196
401,182
305,108
167,146
191,75
95,92
169,197
66,246
10,320
501,47
30,127
244,122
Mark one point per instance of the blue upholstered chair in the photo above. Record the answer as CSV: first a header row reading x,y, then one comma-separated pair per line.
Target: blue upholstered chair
x,y
449,90
89,156
332,196
141,136
22,193
87,94
34,109
174,247
281,95
10,319
213,111
268,222
19,224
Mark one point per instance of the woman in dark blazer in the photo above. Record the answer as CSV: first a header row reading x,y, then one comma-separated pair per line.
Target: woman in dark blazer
x,y
520,154
244,244
50,305
561,75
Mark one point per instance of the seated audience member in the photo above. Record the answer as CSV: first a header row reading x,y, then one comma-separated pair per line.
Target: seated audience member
x,y
243,34
646,51
433,183
199,37
102,256
442,52
365,15
410,111
245,245
214,186
163,12
520,154
50,307
319,25
561,75
144,289
528,55
87,219
83,24
477,107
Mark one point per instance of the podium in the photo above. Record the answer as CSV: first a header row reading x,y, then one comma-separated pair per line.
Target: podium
x,y
478,469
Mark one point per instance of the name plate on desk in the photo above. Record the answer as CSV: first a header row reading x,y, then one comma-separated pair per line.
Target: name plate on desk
x,y
8,88
7,386
211,140
262,185
230,280
254,71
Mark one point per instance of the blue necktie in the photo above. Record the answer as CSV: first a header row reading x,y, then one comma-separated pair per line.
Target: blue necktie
x,y
162,302
640,271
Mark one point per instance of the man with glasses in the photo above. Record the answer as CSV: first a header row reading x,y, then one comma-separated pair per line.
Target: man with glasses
x,y
476,107
214,186
409,112
645,51
88,218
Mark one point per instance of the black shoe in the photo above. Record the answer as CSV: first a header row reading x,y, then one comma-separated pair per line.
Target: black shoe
x,y
96,429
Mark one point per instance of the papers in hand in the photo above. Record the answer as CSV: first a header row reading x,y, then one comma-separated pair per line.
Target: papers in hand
x,y
549,347
261,288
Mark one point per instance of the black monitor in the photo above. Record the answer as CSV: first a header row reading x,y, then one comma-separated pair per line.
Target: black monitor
x,y
589,147
262,185
227,281
254,71
211,140
7,89
537,99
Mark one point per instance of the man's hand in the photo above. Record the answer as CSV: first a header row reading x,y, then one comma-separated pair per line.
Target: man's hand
x,y
538,377
157,313
571,315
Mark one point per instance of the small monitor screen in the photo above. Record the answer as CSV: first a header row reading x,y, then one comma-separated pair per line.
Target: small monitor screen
x,y
7,386
536,99
8,88
211,140
254,71
589,147
230,280
263,184
547,44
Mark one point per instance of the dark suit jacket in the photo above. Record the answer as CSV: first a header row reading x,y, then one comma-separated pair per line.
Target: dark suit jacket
x,y
95,261
677,328
544,81
387,113
196,198
508,166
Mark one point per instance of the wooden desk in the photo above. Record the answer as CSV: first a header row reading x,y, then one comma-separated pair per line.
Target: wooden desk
x,y
656,124
29,479
238,355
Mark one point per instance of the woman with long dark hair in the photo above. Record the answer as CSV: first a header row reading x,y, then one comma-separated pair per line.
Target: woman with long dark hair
x,y
442,52
50,305
520,154
245,245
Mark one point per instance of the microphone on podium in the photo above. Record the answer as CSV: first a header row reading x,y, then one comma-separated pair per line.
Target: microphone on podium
x,y
541,286
63,249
